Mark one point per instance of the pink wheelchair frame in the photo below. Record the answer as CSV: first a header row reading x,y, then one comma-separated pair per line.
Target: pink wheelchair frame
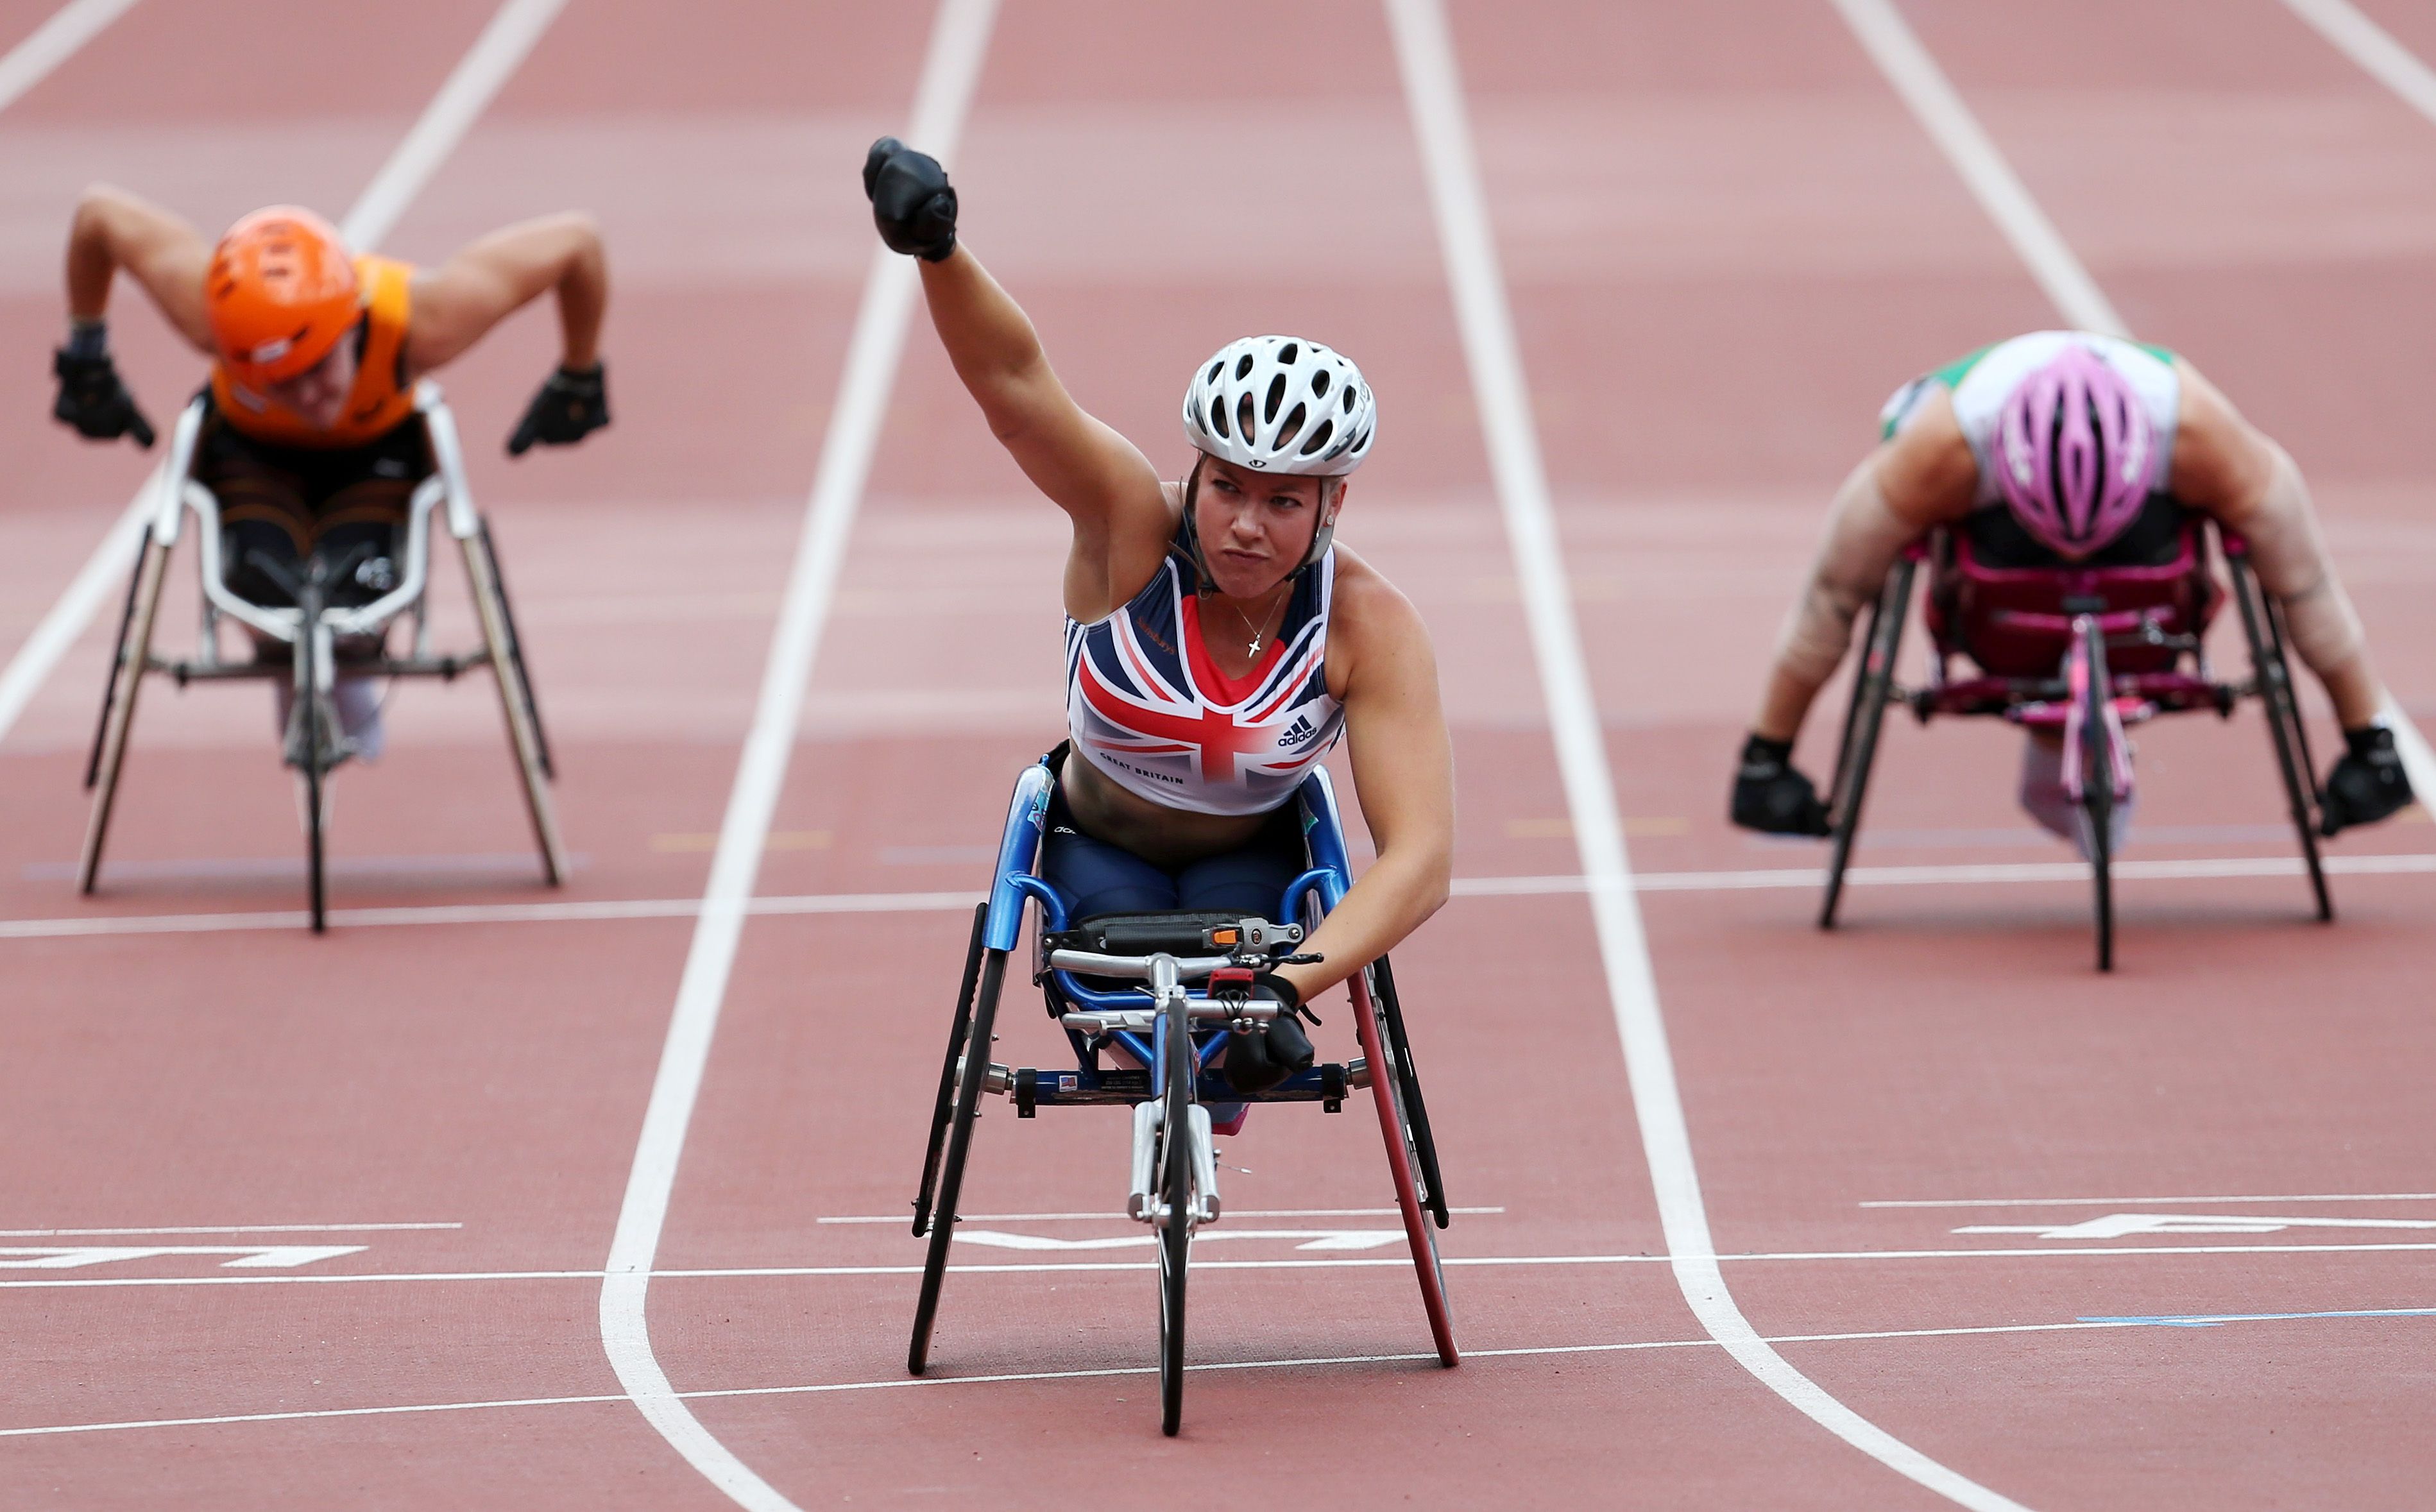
x,y
2084,652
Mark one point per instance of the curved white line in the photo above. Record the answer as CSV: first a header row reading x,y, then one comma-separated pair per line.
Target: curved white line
x,y
959,38
1426,56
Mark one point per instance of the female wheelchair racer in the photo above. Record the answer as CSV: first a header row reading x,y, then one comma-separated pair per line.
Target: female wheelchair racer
x,y
1218,640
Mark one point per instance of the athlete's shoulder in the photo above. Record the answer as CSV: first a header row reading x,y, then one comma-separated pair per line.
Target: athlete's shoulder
x,y
1366,609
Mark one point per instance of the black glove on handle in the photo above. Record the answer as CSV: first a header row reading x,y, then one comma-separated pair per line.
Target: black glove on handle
x,y
94,400
912,201
1273,1051
1770,796
2366,783
569,407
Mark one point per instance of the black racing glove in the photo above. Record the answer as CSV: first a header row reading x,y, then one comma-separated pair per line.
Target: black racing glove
x,y
570,407
94,400
912,201
1271,1052
1770,796
2366,782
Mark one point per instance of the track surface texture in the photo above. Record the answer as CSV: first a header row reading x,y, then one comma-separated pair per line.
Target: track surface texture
x,y
299,1221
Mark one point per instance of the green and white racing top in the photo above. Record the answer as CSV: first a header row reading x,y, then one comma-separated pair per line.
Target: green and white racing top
x,y
1982,383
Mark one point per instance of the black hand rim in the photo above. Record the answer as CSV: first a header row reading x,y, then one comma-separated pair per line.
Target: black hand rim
x,y
1176,1238
2272,680
1408,1085
308,698
516,655
117,662
951,1169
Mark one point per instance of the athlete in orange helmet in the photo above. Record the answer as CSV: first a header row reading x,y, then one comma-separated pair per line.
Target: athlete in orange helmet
x,y
313,443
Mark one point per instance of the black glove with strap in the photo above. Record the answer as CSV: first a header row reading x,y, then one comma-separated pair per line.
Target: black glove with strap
x,y
570,407
95,401
1770,796
1270,1051
912,201
2366,783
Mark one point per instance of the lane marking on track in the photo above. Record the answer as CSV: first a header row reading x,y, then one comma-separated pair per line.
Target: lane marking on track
x,y
1425,55
2119,1225
746,1273
1214,1367
951,69
496,54
1307,1239
1913,72
778,905
76,1257
229,1228
1117,1217
54,42
2146,1202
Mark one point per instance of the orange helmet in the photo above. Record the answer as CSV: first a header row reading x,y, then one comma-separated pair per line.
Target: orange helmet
x,y
281,291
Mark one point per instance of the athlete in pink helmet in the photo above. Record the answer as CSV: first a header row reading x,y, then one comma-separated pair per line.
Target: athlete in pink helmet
x,y
2067,447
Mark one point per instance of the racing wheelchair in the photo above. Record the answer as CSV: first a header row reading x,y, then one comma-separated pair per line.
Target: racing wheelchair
x,y
2085,652
1171,1035
313,632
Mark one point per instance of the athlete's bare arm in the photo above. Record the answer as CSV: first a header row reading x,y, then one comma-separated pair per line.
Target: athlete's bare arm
x,y
457,303
1103,483
1403,774
114,230
1924,476
2227,467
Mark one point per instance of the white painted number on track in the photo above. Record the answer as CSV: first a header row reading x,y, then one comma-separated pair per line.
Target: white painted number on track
x,y
258,1257
2119,1225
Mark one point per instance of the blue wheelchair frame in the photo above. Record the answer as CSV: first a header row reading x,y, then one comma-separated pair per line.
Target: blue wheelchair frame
x,y
1306,900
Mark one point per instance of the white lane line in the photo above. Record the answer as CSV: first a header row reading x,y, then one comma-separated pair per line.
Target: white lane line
x,y
1915,74
781,905
1985,172
486,66
1112,1217
234,1228
959,39
53,43
746,1273
2373,48
2147,1201
1426,57
939,1380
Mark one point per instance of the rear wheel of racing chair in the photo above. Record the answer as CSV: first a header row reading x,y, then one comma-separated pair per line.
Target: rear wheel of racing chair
x,y
1179,1199
2262,625
1411,1153
2098,765
962,1082
1872,687
126,679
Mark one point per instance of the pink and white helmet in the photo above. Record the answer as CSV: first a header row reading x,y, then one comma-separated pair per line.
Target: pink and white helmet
x,y
2076,453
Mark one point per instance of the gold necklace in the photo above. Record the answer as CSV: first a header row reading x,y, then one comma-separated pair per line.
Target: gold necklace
x,y
1257,633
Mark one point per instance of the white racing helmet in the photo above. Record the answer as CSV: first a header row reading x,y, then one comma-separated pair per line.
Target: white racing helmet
x,y
1280,403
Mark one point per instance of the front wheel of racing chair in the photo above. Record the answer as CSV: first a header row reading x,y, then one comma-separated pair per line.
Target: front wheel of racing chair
x,y
1874,683
1178,1129
2262,627
2099,759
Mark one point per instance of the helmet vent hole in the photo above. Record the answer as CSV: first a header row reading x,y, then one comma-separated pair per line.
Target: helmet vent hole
x,y
1245,420
1289,354
1218,419
1318,438
1346,400
1244,367
1276,397
1215,369
1319,383
1295,418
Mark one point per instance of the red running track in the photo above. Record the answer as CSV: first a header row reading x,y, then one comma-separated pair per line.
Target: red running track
x,y
1725,240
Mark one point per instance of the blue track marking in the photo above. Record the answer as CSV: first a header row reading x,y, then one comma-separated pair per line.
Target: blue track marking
x,y
2211,1320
